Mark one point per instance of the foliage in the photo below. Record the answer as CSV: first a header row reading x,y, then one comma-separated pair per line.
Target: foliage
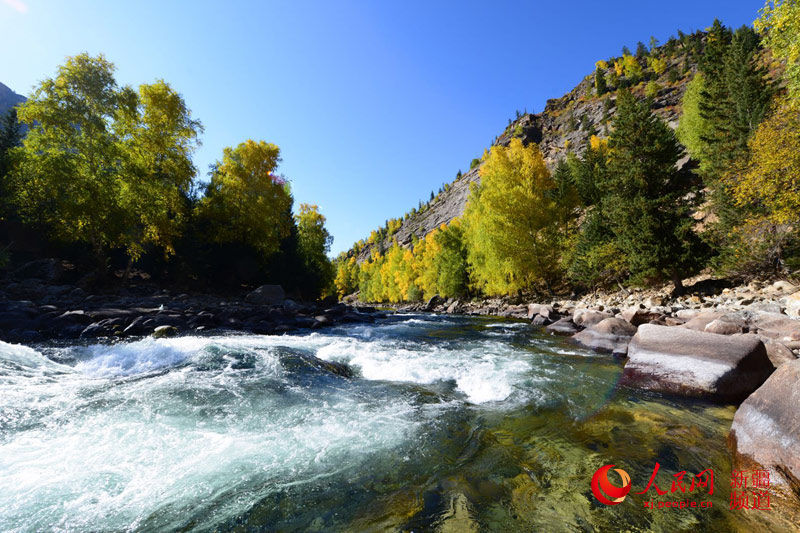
x,y
779,23
246,201
600,82
657,64
104,164
512,240
10,138
651,89
646,199
314,243
631,68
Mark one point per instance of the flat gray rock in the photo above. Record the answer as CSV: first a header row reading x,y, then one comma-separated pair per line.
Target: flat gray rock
x,y
693,363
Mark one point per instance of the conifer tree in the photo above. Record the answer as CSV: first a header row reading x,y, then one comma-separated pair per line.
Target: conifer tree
x,y
646,199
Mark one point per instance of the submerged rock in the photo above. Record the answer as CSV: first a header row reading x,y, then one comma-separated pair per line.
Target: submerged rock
x,y
693,363
610,335
766,427
165,331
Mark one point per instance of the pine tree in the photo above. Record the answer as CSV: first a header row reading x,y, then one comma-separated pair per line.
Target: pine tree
x,y
600,82
646,199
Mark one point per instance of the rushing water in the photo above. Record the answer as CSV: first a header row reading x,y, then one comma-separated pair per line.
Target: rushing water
x,y
449,424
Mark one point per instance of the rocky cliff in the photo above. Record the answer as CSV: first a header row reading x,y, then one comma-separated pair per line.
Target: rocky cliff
x,y
564,126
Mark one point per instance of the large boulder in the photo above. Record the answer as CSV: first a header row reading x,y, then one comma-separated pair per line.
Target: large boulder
x,y
563,326
542,310
766,427
610,335
266,295
703,319
433,302
638,316
44,269
587,318
793,304
693,363
777,326
721,326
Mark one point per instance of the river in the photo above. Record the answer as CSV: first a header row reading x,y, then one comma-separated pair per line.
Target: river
x,y
449,424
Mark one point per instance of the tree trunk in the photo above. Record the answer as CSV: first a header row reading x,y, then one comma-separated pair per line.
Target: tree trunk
x,y
678,282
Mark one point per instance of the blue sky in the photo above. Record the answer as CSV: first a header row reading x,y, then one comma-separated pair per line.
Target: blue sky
x,y
374,104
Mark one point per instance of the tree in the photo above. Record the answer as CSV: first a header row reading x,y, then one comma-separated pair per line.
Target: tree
x,y
632,68
657,64
314,245
10,138
104,164
692,126
641,50
246,202
68,178
600,82
158,138
646,199
512,241
733,102
779,24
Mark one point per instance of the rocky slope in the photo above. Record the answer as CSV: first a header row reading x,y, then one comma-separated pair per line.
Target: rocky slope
x,y
8,99
564,126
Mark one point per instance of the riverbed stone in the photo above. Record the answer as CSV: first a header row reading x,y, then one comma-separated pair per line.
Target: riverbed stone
x,y
720,326
766,427
637,316
793,304
610,335
587,318
698,364
703,319
266,295
164,331
543,310
563,326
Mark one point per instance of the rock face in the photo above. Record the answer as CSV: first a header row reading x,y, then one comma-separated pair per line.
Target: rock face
x,y
555,133
693,363
610,335
766,427
266,295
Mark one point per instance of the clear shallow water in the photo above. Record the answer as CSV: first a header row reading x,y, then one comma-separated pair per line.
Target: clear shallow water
x,y
450,424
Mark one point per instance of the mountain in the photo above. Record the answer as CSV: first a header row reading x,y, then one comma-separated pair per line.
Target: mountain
x,y
8,99
564,126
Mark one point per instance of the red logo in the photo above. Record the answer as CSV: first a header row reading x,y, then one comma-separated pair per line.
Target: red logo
x,y
601,486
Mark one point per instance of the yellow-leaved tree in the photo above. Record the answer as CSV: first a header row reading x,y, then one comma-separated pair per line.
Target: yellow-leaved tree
x,y
246,202
512,236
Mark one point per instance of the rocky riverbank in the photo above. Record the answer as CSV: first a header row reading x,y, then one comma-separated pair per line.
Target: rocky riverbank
x,y
719,342
36,310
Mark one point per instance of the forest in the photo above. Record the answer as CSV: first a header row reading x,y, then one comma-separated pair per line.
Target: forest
x,y
102,175
630,208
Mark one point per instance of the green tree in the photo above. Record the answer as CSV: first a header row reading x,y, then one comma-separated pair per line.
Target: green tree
x,y
10,138
68,177
246,202
104,164
314,245
646,199
600,85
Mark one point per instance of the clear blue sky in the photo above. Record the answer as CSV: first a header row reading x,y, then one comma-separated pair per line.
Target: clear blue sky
x,y
373,103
